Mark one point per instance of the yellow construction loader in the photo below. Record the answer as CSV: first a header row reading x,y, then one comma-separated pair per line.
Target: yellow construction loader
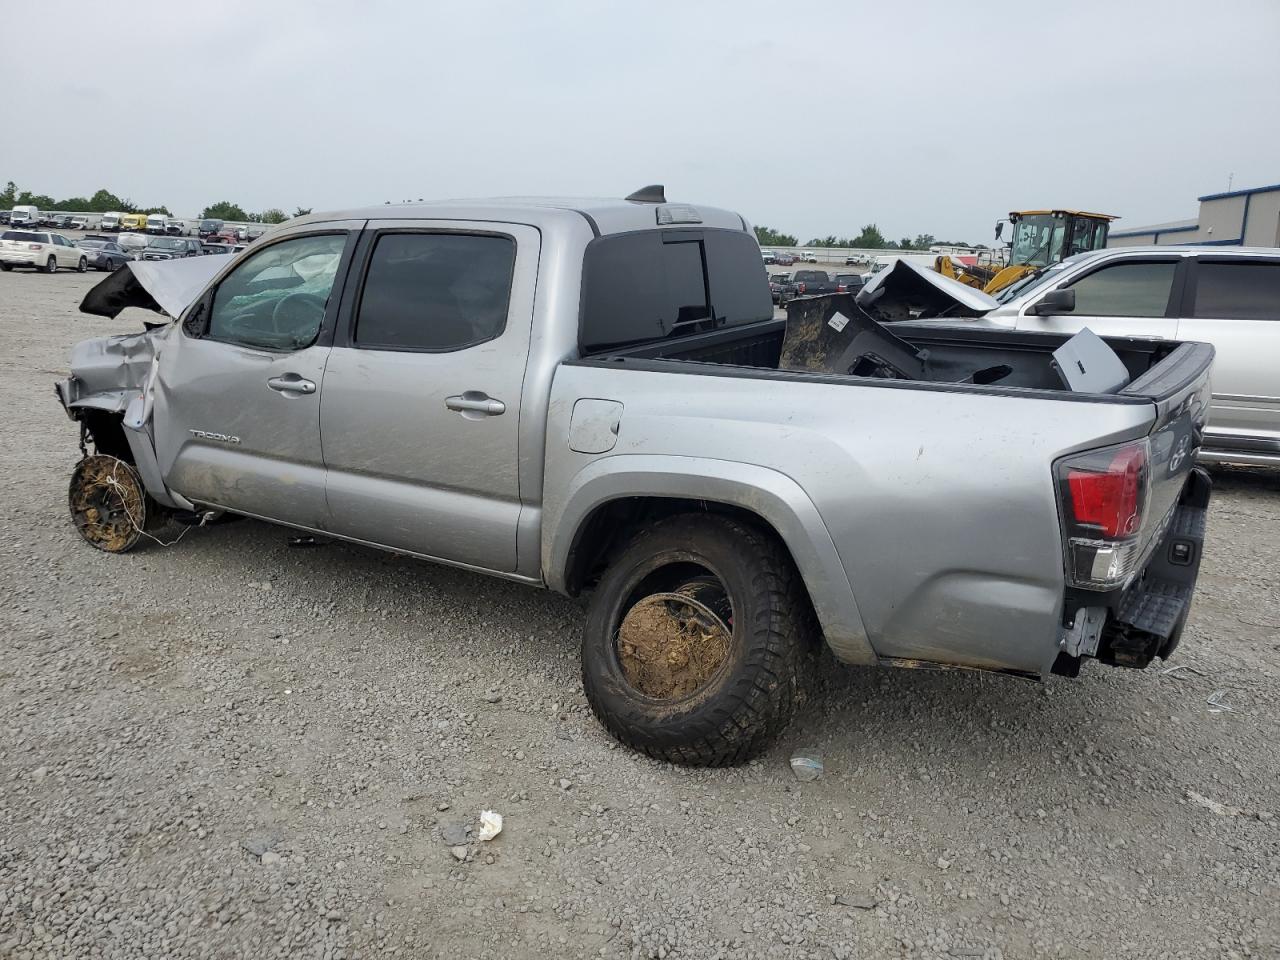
x,y
1040,238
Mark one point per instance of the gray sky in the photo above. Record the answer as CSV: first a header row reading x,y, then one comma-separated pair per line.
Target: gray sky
x,y
813,117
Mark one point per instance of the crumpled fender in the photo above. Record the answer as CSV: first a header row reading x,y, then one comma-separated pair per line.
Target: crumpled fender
x,y
165,286
904,284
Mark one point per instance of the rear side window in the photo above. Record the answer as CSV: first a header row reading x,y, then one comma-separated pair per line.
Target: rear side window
x,y
1125,290
435,291
645,286
1238,291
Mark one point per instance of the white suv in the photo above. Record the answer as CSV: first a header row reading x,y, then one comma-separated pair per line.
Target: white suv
x,y
40,251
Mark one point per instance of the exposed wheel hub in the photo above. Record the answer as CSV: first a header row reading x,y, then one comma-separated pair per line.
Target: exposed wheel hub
x,y
108,503
670,645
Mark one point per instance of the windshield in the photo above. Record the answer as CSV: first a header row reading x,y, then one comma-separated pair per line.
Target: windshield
x,y
1032,280
165,243
1037,241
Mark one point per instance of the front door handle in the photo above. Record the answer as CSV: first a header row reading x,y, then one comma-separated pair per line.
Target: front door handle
x,y
475,404
291,383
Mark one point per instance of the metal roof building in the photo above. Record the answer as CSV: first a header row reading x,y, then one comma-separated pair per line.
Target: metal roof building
x,y
1233,219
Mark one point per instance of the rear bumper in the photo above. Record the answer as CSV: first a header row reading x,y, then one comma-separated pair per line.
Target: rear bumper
x,y
1131,627
18,258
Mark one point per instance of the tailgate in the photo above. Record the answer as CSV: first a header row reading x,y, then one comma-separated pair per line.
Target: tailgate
x,y
1179,388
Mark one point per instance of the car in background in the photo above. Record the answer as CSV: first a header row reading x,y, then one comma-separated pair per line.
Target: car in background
x,y
174,227
156,223
209,228
857,260
4,217
133,244
170,248
62,222
849,282
214,249
813,283
25,215
769,256
784,259
132,222
807,257
110,221
79,223
103,253
42,251
782,288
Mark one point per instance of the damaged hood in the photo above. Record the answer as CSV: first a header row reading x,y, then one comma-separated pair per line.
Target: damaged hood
x,y
165,286
905,290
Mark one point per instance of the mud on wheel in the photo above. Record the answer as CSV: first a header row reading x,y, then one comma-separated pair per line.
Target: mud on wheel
x,y
694,638
109,505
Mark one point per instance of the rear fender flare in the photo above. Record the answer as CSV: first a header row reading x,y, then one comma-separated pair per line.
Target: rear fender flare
x,y
772,496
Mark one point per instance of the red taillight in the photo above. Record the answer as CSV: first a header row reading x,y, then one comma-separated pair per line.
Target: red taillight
x,y
1110,502
33,246
800,287
841,288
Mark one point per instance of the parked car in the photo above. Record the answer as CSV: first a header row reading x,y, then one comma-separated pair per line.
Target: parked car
x,y
103,254
808,257
215,248
5,215
61,222
784,259
813,283
1229,297
110,221
25,216
849,282
42,251
209,228
133,244
769,256
174,227
156,223
132,222
857,260
171,248
79,223
782,288
541,429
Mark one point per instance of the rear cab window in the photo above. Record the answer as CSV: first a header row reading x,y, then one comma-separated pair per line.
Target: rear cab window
x,y
652,284
435,291
1237,289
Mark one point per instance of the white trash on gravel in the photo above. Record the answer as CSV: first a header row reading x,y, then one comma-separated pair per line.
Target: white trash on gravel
x,y
490,824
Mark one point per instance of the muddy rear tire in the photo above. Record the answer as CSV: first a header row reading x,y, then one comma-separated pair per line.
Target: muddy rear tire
x,y
674,698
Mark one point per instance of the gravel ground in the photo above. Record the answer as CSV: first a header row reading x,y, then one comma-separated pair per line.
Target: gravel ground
x,y
234,748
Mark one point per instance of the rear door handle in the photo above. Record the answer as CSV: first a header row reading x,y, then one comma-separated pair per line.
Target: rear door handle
x,y
291,383
474,404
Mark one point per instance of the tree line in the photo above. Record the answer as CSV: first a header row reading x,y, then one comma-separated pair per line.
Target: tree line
x,y
869,239
104,201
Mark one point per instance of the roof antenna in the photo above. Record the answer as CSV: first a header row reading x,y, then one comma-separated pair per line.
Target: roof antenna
x,y
654,193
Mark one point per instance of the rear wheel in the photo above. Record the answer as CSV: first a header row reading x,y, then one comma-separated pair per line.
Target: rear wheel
x,y
694,641
83,265
6,267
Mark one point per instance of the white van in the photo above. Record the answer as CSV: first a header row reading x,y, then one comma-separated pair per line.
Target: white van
x,y
24,215
110,221
156,222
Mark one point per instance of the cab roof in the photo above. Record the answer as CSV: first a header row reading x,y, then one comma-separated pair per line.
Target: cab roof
x,y
1069,213
605,215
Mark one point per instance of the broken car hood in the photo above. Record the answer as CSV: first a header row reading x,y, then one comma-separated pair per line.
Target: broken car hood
x,y
905,290
166,286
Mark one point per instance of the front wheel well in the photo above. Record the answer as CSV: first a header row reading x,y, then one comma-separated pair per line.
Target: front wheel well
x,y
106,432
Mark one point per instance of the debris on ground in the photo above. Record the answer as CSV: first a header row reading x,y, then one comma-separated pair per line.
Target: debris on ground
x,y
259,843
455,834
1221,809
1176,672
1217,702
459,853
806,765
490,825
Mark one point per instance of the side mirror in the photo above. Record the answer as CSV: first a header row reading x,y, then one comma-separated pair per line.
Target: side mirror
x,y
1055,301
999,228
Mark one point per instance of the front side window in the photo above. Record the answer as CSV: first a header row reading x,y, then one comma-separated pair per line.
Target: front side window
x,y
1125,290
435,291
1238,291
276,299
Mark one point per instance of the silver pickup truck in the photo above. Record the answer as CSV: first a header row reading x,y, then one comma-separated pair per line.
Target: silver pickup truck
x,y
593,396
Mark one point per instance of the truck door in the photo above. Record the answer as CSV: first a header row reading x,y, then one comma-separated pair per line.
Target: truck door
x,y
1120,298
237,409
420,407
